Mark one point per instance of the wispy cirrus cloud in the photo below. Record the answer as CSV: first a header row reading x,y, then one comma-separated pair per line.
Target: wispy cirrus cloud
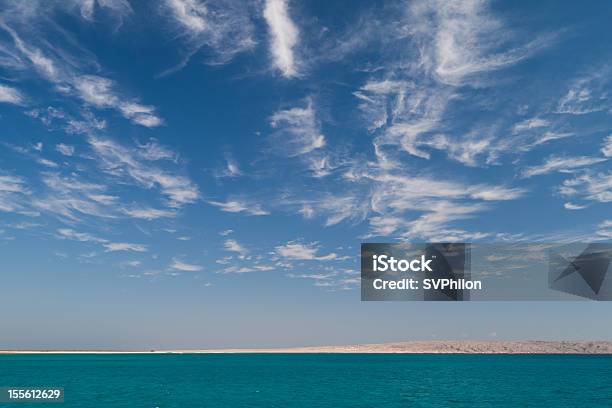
x,y
224,27
181,266
334,208
71,198
460,39
233,246
125,246
69,78
11,95
68,233
561,164
408,103
87,8
148,213
65,149
284,36
297,130
586,94
101,92
119,161
73,193
230,169
240,206
590,186
605,229
34,10
297,133
606,148
572,206
295,250
529,124
13,194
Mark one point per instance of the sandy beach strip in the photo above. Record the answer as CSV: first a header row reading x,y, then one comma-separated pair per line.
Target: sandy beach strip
x,y
411,347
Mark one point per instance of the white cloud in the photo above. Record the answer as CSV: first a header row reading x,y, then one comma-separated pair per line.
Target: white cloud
x,y
11,95
59,67
47,163
45,66
247,269
239,206
233,246
397,196
299,251
125,246
231,168
549,136
190,13
530,124
495,193
120,161
334,208
184,266
65,149
589,186
561,164
153,151
437,47
131,264
284,36
466,39
298,132
573,102
70,197
605,229
226,232
223,26
586,94
572,206
120,8
67,233
606,149
79,236
315,276
101,93
32,11
307,211
147,213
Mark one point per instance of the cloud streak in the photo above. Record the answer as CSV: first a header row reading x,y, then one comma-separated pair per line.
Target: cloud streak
x,y
283,35
124,163
304,252
239,206
11,95
561,164
178,265
224,27
68,78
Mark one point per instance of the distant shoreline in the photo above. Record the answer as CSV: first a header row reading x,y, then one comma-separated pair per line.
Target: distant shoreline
x,y
411,347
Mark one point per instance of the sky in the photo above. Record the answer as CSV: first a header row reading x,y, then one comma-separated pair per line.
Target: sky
x,y
187,173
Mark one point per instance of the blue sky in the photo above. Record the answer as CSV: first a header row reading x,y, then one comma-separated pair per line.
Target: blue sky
x,y
216,165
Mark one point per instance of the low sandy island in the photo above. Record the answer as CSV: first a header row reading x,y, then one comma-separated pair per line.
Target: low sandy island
x,y
411,347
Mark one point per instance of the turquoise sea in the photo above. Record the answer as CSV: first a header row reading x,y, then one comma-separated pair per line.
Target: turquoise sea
x,y
315,380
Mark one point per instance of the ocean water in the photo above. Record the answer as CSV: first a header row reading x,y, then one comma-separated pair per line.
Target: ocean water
x,y
315,380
